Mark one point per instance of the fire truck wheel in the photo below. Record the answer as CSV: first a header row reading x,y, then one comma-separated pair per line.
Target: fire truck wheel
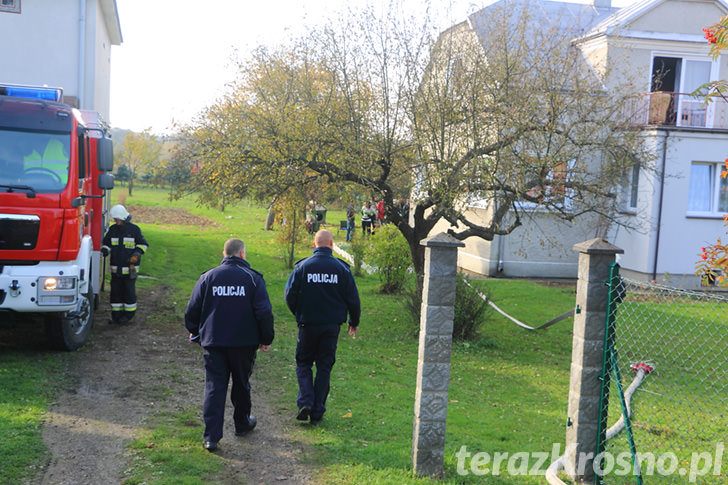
x,y
69,331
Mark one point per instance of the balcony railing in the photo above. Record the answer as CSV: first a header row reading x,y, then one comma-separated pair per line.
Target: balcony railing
x,y
677,109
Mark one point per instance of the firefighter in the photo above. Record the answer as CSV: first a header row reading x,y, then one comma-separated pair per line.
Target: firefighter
x,y
126,244
320,292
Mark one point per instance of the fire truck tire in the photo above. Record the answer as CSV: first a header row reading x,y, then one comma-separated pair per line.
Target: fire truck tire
x,y
70,330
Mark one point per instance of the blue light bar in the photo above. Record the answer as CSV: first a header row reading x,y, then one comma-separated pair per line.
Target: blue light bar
x,y
48,94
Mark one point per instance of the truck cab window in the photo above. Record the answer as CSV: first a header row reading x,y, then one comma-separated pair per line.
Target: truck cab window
x,y
37,160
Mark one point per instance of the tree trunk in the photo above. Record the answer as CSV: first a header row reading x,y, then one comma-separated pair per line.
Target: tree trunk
x,y
292,241
271,217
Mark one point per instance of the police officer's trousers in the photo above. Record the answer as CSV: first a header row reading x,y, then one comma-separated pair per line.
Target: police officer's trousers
x,y
220,364
316,344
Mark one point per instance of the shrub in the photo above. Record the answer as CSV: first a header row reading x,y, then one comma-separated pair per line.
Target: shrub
x,y
389,254
358,248
470,309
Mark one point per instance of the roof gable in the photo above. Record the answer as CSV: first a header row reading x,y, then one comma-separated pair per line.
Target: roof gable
x,y
111,18
667,16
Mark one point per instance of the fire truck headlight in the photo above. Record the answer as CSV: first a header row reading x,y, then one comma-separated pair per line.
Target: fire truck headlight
x,y
62,283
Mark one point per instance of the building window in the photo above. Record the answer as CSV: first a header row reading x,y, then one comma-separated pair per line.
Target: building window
x,y
630,189
549,189
673,81
10,6
708,194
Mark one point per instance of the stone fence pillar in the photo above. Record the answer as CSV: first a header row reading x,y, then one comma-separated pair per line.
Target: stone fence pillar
x,y
595,257
433,361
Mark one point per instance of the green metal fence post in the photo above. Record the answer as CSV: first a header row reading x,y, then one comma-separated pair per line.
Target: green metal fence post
x,y
606,364
611,365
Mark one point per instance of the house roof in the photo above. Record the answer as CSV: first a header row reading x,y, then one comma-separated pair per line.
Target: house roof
x,y
577,17
585,20
111,17
624,16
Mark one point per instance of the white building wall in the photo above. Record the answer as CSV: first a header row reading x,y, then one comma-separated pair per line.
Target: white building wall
x,y
41,46
540,248
680,235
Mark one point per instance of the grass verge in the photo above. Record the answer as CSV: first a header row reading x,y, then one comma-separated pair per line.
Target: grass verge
x,y
28,380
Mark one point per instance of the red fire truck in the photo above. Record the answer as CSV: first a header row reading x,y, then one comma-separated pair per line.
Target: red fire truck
x,y
55,171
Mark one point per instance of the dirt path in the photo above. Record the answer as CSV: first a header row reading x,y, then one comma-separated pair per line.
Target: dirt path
x,y
116,381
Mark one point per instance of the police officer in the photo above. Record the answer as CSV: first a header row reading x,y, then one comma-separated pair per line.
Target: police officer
x,y
230,315
320,292
126,244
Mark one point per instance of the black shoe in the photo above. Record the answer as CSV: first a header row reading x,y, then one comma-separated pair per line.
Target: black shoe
x,y
303,413
242,431
210,445
315,421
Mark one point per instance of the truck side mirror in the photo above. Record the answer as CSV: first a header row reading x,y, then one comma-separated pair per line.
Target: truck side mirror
x,y
106,181
105,154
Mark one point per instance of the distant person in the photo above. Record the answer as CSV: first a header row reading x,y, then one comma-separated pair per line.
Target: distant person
x,y
320,292
229,314
400,207
368,214
380,213
126,244
368,218
350,222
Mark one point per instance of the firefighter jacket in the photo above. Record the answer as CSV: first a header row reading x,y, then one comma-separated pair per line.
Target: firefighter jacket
x,y
229,307
121,242
322,290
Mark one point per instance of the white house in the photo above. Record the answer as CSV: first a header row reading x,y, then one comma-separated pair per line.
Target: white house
x,y
671,211
61,43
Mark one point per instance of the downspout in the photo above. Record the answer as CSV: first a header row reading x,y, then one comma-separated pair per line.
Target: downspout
x,y
81,51
659,207
500,254
499,267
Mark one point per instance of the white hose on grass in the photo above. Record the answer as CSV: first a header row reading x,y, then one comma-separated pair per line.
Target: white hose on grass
x,y
642,370
519,323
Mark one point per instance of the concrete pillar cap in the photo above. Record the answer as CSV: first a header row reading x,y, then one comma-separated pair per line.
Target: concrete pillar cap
x,y
597,246
442,240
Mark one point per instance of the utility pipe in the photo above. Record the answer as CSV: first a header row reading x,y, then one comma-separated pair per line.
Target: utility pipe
x,y
81,52
659,208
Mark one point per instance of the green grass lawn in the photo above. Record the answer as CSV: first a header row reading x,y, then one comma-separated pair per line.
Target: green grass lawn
x,y
508,390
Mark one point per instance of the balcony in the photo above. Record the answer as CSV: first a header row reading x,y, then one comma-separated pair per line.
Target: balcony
x,y
677,109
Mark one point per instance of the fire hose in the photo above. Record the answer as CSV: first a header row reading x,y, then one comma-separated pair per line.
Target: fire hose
x,y
642,369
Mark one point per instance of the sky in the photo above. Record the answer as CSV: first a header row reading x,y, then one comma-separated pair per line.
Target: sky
x,y
177,56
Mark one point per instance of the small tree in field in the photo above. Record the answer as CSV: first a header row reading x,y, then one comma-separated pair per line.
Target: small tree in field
x,y
290,216
138,151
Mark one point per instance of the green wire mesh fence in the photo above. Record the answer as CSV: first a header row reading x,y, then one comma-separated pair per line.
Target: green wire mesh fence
x,y
670,347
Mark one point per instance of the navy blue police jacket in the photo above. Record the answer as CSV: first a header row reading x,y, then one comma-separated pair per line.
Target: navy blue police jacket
x,y
230,307
321,290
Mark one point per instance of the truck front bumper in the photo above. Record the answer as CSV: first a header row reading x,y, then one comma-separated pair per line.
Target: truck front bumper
x,y
45,287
